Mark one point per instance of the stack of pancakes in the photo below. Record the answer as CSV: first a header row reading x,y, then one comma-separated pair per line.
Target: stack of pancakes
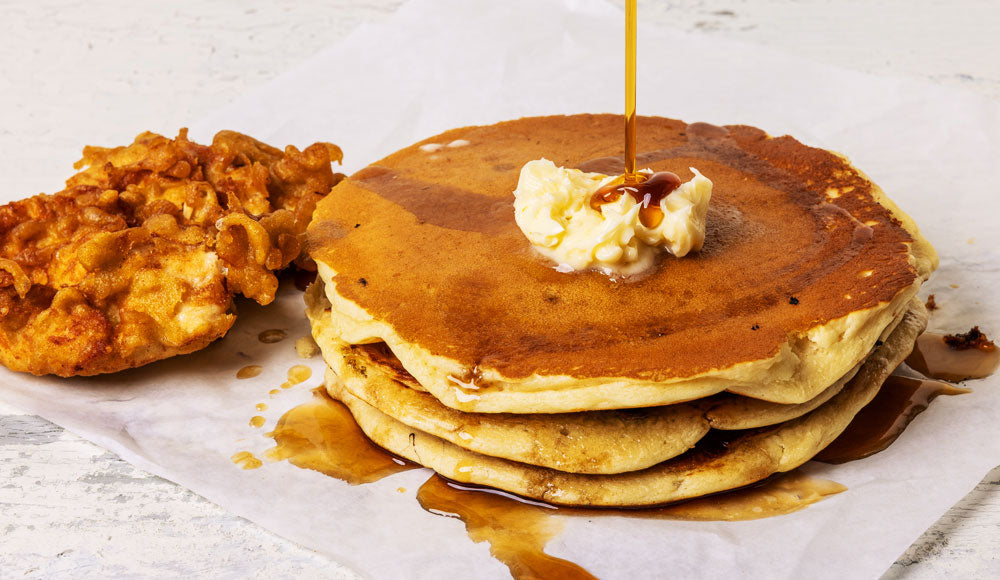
x,y
456,346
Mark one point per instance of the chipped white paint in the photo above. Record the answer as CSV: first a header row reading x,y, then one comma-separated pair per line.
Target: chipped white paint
x,y
72,75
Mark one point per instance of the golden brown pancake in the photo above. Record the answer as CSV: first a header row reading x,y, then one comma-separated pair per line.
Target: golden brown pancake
x,y
597,442
744,458
806,263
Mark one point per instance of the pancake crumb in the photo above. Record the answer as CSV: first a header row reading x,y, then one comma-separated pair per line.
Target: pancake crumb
x,y
969,340
931,304
793,301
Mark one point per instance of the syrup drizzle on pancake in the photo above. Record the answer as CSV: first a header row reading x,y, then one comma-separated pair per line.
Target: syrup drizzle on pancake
x,y
645,189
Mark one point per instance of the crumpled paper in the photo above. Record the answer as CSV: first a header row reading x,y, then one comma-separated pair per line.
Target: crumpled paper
x,y
437,65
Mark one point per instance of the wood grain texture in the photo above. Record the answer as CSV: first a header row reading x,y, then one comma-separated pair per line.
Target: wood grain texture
x,y
73,510
100,72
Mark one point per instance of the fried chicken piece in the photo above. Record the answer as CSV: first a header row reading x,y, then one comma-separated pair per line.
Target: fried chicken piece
x,y
139,258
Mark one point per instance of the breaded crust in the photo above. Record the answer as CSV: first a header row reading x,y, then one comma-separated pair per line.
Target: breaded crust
x,y
138,259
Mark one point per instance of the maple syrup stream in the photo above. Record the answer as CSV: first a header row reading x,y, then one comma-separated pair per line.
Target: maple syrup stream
x,y
630,46
645,189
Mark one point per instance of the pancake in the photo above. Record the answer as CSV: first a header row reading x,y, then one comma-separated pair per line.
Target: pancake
x,y
743,459
603,442
806,264
587,442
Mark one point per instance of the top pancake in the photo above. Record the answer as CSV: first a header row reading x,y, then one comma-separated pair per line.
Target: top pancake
x,y
804,265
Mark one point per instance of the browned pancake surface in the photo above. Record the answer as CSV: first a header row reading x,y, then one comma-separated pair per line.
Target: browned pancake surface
x,y
427,242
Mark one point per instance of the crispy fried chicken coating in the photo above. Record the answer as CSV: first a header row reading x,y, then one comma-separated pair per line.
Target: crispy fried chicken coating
x,y
139,258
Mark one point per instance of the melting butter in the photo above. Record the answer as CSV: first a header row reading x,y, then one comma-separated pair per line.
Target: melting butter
x,y
557,211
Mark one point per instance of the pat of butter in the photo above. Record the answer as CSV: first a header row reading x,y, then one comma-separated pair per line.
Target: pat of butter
x,y
552,207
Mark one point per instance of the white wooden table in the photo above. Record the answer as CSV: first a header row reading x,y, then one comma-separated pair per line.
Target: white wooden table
x,y
99,72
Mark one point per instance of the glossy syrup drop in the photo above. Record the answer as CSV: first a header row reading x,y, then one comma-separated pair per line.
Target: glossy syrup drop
x,y
322,435
248,372
954,357
246,460
299,374
885,418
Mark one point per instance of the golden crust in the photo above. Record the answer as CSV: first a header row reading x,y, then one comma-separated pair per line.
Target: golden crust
x,y
139,257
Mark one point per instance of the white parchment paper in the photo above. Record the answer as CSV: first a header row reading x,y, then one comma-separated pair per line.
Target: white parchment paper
x,y
437,65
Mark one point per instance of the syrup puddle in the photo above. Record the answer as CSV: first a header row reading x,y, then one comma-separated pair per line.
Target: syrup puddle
x,y
322,435
932,357
517,531
885,418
